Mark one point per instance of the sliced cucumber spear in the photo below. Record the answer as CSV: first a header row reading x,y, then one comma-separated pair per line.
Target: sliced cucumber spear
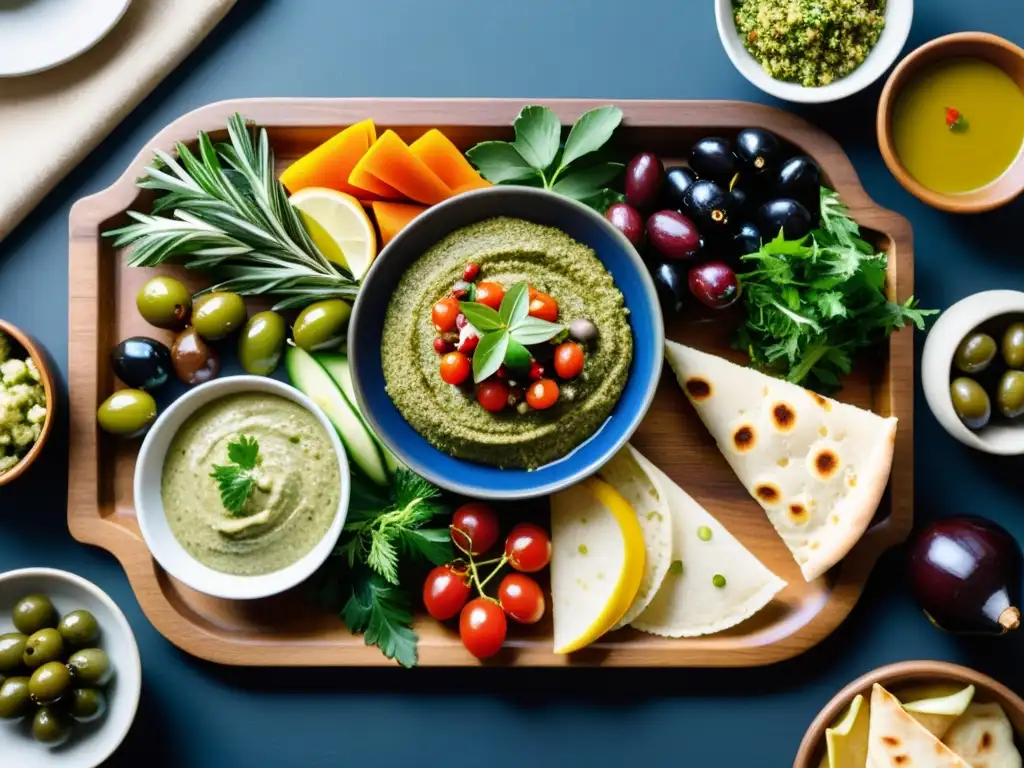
x,y
310,378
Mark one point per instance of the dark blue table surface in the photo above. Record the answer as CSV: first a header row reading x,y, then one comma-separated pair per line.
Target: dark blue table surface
x,y
198,714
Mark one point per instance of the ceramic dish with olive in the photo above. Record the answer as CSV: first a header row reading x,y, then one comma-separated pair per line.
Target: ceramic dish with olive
x,y
987,376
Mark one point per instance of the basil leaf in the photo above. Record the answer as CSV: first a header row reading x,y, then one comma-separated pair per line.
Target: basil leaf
x,y
482,317
538,134
533,330
587,182
515,305
499,161
489,355
590,133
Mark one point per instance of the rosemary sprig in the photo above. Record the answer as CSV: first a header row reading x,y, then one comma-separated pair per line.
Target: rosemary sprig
x,y
230,216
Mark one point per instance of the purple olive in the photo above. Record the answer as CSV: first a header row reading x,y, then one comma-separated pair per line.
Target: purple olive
x,y
627,219
673,235
714,284
644,176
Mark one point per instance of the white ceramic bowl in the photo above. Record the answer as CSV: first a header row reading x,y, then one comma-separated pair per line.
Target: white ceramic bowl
x,y
149,507
937,363
90,743
898,15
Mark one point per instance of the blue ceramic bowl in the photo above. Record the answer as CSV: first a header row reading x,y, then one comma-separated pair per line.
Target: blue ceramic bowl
x,y
536,205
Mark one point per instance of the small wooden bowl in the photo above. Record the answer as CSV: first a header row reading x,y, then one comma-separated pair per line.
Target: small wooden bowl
x,y
36,353
968,45
903,674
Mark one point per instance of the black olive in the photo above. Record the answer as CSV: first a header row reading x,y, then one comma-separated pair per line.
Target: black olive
x,y
670,283
677,181
757,150
747,239
713,159
799,179
710,206
787,215
141,362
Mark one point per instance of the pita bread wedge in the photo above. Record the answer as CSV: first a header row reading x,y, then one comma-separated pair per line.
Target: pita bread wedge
x,y
817,467
642,491
983,736
689,603
936,710
897,740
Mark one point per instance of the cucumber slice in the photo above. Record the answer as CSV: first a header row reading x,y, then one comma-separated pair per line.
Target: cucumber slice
x,y
309,377
338,368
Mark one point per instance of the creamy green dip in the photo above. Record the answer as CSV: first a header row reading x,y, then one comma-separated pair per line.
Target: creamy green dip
x,y
292,506
508,251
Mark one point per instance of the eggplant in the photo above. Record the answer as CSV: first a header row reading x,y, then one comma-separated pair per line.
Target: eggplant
x,y
757,150
789,216
677,181
713,159
711,207
799,179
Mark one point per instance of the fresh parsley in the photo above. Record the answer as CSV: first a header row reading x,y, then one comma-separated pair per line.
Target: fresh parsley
x,y
537,157
507,332
237,480
812,304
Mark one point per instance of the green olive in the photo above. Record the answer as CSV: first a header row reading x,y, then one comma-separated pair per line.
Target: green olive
x,y
34,612
165,303
262,343
218,314
44,646
975,353
87,704
15,701
1010,394
970,402
12,646
90,668
322,325
51,726
127,413
50,682
79,629
1013,346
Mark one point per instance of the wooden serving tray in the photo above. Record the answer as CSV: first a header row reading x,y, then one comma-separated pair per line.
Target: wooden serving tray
x,y
289,631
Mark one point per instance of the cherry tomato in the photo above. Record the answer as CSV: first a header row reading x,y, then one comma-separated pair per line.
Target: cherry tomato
x,y
492,395
490,294
454,368
476,523
444,314
442,346
445,591
544,307
542,394
470,273
521,598
528,548
482,627
568,359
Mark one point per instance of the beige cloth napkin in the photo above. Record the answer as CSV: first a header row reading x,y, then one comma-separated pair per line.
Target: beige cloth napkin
x,y
49,122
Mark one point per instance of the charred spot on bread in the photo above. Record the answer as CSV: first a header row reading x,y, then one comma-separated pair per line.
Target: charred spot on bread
x,y
890,741
784,417
826,463
767,493
985,744
823,402
744,438
698,389
798,514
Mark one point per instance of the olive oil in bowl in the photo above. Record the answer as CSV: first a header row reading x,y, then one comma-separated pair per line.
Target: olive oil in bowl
x,y
959,125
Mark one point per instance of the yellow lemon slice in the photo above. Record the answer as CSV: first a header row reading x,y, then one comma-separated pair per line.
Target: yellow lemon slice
x,y
339,226
597,562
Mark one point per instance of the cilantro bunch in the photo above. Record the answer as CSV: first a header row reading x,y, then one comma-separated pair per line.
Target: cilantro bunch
x,y
813,303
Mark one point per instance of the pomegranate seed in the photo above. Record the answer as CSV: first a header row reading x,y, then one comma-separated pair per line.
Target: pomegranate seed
x,y
469,344
503,372
460,321
442,347
470,273
458,293
536,370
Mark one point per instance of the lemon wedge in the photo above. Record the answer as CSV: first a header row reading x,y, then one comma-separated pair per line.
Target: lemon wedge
x,y
597,562
847,740
338,226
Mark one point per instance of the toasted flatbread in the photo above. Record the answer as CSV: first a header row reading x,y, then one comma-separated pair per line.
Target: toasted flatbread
x,y
983,736
897,740
817,467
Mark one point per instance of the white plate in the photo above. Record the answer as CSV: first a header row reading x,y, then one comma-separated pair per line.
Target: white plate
x,y
36,35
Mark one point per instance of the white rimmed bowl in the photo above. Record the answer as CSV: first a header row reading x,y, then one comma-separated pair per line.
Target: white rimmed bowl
x,y
937,364
898,16
149,506
91,743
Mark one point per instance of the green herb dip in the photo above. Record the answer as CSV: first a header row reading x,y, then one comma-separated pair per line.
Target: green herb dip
x,y
287,514
810,42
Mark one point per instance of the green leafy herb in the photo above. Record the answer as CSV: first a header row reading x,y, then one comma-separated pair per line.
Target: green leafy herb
x,y
237,480
507,331
382,612
812,304
537,158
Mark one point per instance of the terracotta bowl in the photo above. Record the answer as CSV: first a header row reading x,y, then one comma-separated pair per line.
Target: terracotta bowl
x,y
36,353
902,675
969,45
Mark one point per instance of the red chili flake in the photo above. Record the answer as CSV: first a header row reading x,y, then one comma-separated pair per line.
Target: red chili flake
x,y
954,118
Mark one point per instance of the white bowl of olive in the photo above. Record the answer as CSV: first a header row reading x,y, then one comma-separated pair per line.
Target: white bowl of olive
x,y
70,676
972,371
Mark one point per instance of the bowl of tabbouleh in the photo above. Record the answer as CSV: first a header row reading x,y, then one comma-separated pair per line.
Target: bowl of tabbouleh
x,y
813,51
26,402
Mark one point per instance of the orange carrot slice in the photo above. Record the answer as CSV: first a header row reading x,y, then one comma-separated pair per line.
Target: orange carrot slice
x,y
331,163
393,217
442,157
390,161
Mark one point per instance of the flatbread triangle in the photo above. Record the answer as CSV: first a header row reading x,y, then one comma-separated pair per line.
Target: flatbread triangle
x,y
816,466
897,740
